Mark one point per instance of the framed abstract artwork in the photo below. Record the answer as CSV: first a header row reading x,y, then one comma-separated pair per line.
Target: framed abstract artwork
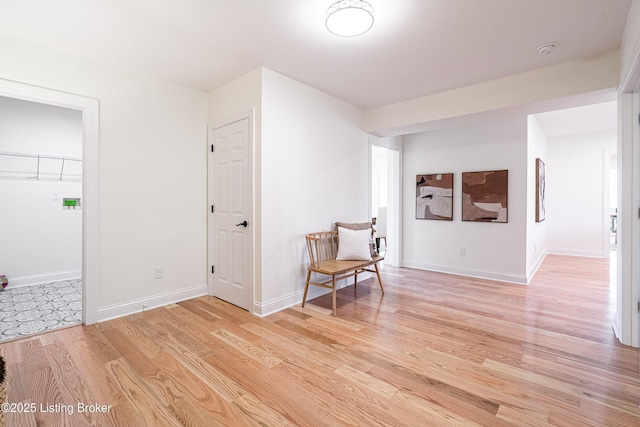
x,y
434,196
484,196
540,190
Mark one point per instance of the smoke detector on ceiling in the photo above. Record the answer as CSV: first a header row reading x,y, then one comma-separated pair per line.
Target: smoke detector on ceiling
x,y
546,48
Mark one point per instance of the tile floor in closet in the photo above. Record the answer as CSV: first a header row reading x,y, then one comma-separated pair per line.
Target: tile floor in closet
x,y
34,309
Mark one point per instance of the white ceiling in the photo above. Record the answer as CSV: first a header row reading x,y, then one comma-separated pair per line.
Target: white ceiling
x,y
572,121
416,47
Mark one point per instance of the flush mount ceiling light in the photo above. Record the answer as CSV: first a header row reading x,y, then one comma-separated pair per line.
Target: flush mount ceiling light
x,y
349,18
546,48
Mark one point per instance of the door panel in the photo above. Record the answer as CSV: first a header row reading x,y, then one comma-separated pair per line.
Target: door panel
x,y
232,236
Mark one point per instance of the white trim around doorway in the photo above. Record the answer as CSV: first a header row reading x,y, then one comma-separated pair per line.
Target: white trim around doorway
x,y
90,109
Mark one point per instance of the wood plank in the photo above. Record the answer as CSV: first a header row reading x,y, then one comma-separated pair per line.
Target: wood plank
x,y
436,350
370,382
151,411
46,394
252,351
71,385
430,414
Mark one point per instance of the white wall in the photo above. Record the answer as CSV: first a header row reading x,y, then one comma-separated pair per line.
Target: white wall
x,y
33,128
493,250
314,172
536,231
41,242
576,194
311,170
242,95
152,174
379,178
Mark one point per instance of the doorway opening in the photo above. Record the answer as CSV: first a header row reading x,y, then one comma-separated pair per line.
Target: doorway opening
x,y
87,201
611,158
385,201
41,174
610,245
582,196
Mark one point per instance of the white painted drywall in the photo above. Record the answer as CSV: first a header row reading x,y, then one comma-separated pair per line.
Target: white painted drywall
x,y
575,193
225,104
314,172
496,251
41,242
525,93
152,173
536,231
235,97
311,171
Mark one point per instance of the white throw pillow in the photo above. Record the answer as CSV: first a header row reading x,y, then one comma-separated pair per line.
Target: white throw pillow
x,y
353,245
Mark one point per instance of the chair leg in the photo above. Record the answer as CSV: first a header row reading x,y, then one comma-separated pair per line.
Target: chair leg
x,y
333,290
306,288
379,279
355,279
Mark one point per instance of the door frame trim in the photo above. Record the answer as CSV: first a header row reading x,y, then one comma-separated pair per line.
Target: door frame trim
x,y
90,108
250,115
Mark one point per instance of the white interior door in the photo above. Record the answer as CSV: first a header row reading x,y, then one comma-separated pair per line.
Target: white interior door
x,y
231,239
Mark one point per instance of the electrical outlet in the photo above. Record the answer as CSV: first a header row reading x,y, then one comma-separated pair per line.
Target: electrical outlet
x,y
463,251
157,273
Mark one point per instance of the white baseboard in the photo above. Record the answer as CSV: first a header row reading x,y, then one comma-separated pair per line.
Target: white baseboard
x,y
263,309
572,252
468,272
616,328
532,271
17,282
136,306
266,308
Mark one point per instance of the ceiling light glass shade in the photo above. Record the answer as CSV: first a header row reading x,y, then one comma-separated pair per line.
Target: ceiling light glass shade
x,y
348,18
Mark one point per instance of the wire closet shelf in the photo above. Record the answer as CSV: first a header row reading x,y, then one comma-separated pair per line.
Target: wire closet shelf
x,y
37,166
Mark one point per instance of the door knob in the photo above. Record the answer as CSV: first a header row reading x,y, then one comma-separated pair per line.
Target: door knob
x,y
244,224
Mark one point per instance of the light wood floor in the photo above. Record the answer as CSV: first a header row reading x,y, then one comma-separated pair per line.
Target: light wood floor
x,y
435,350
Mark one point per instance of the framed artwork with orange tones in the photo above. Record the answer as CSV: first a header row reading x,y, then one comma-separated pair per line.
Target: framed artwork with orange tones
x,y
485,196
